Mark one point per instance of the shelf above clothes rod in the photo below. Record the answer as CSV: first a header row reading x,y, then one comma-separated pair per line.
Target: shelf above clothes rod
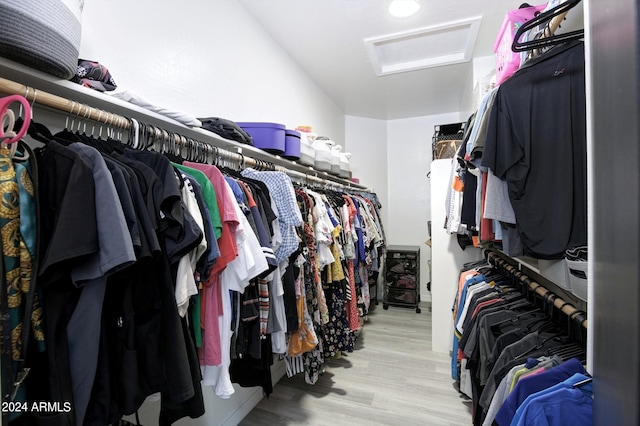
x,y
70,98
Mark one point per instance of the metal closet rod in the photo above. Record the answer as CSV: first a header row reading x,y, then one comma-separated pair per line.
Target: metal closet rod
x,y
87,112
244,161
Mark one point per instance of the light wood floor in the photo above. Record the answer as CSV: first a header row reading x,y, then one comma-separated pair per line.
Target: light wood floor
x,y
392,378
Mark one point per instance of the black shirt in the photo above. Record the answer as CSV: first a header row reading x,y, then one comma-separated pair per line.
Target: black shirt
x,y
66,197
67,201
536,141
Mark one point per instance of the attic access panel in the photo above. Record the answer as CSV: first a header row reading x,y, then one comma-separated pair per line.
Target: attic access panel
x,y
426,47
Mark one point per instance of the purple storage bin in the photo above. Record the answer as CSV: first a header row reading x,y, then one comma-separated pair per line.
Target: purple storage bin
x,y
269,137
292,145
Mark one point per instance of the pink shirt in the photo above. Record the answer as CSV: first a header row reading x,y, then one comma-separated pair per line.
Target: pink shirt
x,y
211,300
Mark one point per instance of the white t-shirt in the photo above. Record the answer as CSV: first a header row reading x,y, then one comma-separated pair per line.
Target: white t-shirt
x,y
185,281
249,263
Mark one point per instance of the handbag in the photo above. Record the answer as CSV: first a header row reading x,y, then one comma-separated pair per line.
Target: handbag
x,y
303,339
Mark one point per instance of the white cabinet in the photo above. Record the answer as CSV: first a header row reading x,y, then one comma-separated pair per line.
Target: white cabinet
x,y
446,259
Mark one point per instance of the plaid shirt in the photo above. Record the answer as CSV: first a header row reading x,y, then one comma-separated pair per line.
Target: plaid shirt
x,y
289,216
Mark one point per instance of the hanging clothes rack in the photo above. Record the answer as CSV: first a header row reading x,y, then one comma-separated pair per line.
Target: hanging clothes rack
x,y
558,303
173,141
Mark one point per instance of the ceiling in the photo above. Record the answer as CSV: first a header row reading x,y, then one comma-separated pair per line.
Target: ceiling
x,y
326,38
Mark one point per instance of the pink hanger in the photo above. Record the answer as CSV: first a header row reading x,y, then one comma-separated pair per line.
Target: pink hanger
x,y
7,135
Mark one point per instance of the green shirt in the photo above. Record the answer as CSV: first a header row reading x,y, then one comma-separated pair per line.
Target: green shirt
x,y
209,195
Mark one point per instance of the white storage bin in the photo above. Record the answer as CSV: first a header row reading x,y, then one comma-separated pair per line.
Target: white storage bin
x,y
555,271
335,159
345,165
307,151
323,148
578,277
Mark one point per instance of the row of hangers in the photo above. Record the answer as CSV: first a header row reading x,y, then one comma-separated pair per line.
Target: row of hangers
x,y
140,135
178,147
569,336
573,319
546,21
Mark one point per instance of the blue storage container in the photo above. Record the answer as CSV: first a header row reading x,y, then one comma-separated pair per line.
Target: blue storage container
x,y
292,144
269,137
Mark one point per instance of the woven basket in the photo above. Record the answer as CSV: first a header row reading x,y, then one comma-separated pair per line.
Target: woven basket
x,y
446,148
43,34
447,138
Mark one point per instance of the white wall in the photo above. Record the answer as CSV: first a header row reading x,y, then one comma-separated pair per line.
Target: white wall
x,y
366,140
484,71
468,102
408,161
205,58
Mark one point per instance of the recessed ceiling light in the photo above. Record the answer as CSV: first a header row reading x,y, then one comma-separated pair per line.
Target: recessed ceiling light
x,y
404,8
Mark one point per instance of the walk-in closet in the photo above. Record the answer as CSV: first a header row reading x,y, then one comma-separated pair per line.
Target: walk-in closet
x,y
319,212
